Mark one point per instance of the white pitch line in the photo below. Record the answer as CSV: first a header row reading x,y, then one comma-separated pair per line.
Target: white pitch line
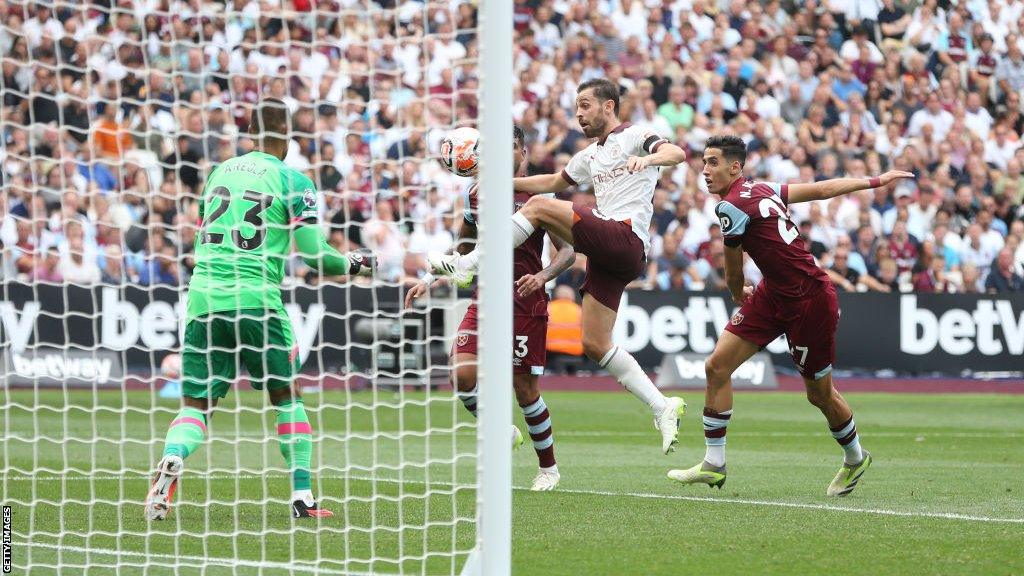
x,y
272,435
644,495
193,561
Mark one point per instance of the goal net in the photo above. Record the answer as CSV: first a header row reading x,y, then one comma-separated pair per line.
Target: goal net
x,y
114,115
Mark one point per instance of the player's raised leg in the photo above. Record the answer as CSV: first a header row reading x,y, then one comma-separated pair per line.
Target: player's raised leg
x,y
730,351
555,216
598,321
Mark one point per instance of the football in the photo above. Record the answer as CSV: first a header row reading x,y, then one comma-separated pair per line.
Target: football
x,y
460,151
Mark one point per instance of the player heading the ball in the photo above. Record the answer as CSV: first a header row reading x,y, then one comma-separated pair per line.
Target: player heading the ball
x,y
252,208
622,167
795,298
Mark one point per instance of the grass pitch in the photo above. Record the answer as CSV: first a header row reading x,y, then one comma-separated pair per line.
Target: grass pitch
x,y
945,495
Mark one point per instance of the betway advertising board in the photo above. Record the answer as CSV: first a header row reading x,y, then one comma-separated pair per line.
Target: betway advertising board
x,y
62,334
908,333
54,333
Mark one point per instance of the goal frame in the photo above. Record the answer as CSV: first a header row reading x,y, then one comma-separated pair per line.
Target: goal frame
x,y
493,553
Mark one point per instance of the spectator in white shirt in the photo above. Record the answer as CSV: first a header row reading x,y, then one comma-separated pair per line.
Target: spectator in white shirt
x,y
1000,149
921,214
75,267
933,114
975,252
976,117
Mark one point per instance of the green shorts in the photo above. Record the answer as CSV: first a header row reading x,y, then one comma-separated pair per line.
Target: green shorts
x,y
216,344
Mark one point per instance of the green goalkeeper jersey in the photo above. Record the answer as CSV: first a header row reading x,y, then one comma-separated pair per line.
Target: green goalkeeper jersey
x,y
248,208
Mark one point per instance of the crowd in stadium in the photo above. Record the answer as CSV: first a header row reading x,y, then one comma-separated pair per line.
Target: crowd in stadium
x,y
113,113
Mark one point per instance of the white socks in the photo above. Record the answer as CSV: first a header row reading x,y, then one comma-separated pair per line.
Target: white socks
x,y
628,372
715,455
521,229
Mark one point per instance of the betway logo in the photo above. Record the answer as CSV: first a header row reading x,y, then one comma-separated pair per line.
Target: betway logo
x,y
752,371
959,331
122,325
58,366
671,329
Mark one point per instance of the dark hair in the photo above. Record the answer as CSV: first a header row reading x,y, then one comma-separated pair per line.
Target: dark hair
x,y
270,120
732,147
603,90
518,135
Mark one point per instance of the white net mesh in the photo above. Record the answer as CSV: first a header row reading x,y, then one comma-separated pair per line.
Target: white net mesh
x,y
114,114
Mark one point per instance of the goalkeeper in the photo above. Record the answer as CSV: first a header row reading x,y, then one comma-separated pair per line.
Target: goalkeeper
x,y
251,209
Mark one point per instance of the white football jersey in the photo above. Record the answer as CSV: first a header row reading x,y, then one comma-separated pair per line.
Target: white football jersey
x,y
621,195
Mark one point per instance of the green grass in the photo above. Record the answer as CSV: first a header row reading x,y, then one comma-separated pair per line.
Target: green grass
x,y
616,512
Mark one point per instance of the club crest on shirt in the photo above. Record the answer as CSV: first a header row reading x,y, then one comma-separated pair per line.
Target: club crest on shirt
x,y
462,339
737,318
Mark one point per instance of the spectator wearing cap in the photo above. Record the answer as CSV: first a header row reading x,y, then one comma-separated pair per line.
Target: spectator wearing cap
x,y
1003,278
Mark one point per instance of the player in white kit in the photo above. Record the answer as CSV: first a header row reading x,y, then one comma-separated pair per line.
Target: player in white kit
x,y
622,167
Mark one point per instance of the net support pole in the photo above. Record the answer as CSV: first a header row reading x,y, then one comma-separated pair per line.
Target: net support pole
x,y
494,496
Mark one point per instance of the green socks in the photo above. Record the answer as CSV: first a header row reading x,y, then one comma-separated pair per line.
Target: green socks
x,y
296,436
186,433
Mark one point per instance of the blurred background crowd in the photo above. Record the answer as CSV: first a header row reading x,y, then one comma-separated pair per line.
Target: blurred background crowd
x,y
114,111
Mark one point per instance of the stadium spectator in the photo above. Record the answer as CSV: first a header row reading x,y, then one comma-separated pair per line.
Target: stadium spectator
x,y
1003,277
133,120
565,333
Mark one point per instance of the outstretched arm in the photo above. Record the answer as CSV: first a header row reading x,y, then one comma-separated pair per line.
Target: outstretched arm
x,y
838,186
560,262
540,184
317,253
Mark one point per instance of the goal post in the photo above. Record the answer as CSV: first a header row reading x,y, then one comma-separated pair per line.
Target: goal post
x,y
494,496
